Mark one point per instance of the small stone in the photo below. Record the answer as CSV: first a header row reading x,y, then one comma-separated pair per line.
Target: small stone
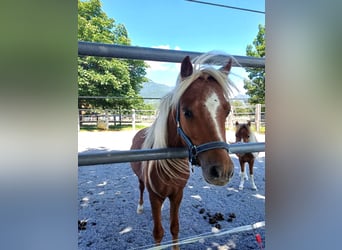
x,y
82,224
232,215
219,216
202,210
212,220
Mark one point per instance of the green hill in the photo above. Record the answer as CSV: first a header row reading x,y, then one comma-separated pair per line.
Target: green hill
x,y
154,90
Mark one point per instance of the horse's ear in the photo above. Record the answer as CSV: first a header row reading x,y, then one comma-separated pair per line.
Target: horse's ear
x,y
227,67
249,123
186,67
236,123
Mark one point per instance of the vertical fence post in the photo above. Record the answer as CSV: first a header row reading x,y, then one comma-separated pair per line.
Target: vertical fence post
x,y
106,120
257,117
133,119
78,122
120,116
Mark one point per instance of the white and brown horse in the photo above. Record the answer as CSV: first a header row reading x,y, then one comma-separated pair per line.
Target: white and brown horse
x,y
244,134
193,115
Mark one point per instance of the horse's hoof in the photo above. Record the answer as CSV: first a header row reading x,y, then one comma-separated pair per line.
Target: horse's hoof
x,y
254,187
140,209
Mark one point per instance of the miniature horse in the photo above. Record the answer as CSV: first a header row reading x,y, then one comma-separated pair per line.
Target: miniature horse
x,y
192,115
244,134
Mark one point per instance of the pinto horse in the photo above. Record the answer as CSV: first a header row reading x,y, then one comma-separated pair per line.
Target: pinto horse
x,y
193,115
244,134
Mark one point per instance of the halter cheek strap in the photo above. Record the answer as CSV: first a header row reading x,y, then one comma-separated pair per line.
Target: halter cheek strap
x,y
193,149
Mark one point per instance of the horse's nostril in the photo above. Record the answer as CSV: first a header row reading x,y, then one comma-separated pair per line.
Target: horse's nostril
x,y
214,172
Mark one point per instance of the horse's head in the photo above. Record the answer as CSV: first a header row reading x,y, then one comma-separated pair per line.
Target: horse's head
x,y
201,114
242,132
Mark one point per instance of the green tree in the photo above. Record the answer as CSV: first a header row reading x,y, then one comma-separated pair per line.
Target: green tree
x,y
256,86
119,79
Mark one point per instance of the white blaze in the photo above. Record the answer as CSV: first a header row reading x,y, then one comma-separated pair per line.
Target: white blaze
x,y
212,104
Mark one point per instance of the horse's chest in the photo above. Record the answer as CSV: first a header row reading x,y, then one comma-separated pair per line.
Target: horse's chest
x,y
247,157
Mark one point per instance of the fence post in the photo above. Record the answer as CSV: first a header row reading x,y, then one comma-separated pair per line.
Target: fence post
x,y
133,119
257,117
120,116
106,120
79,119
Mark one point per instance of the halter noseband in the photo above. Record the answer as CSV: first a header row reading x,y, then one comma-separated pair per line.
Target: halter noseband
x,y
193,149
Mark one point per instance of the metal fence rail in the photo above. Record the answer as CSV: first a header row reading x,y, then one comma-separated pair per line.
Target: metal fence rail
x,y
163,55
109,157
152,54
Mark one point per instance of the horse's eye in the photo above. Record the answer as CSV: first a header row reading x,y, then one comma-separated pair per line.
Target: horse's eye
x,y
187,113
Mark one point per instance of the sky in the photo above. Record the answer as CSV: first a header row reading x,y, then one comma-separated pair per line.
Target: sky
x,y
188,26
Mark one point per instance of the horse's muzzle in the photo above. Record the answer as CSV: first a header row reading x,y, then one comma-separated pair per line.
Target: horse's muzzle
x,y
217,175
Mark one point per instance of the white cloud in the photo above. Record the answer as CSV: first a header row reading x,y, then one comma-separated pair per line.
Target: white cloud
x,y
161,47
157,66
163,66
166,46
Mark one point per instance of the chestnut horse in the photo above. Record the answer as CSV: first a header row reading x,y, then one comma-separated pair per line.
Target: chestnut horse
x,y
244,134
193,115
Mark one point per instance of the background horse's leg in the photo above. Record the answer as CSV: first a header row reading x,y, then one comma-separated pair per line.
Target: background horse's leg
x,y
242,173
158,230
251,164
175,201
140,208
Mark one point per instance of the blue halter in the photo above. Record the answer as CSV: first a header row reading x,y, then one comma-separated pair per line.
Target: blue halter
x,y
193,149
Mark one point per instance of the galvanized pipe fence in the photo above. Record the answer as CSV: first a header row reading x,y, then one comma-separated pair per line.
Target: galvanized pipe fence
x,y
153,54
142,53
119,156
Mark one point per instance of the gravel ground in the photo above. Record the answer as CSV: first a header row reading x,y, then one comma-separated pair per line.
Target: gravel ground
x,y
108,196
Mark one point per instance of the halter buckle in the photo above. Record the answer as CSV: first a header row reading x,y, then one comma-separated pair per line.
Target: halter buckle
x,y
193,151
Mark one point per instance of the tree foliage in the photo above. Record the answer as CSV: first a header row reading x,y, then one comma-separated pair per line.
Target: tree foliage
x,y
240,107
119,79
256,86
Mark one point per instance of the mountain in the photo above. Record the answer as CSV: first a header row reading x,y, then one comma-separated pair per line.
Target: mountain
x,y
154,90
158,90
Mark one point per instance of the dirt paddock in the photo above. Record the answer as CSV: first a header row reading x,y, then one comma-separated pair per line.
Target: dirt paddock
x,y
108,195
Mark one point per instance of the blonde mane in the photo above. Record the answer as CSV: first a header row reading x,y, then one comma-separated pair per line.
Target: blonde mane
x,y
156,135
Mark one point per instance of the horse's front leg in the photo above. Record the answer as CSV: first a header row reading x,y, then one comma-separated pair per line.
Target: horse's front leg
x,y
140,207
251,165
175,201
158,230
242,173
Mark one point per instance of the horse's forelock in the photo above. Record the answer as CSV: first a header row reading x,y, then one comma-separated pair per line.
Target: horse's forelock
x,y
204,64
